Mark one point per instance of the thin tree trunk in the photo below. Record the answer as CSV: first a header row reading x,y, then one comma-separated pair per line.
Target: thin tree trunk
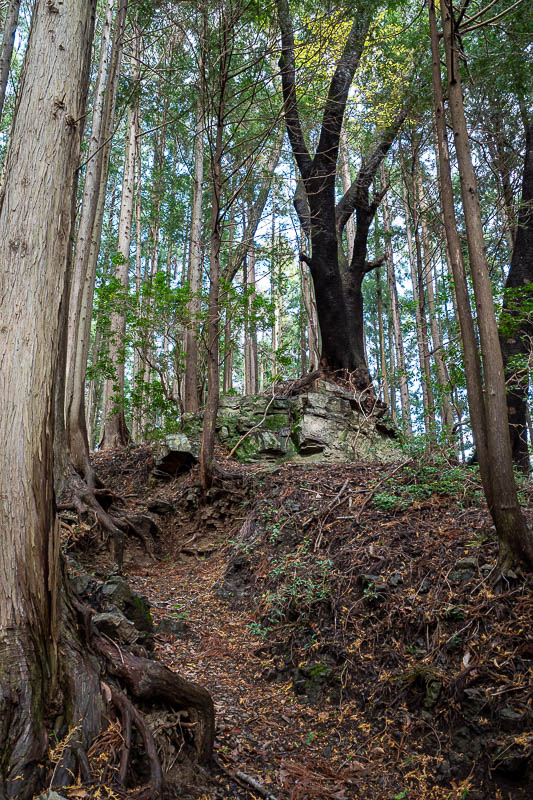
x,y
382,361
116,433
6,50
427,394
136,425
442,372
250,341
346,183
190,398
516,541
213,370
395,312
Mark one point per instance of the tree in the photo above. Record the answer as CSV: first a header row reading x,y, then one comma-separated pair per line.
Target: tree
x,y
35,228
6,50
338,293
116,432
487,407
51,661
516,322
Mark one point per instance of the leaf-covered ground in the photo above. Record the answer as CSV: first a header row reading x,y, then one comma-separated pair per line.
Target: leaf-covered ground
x,y
348,624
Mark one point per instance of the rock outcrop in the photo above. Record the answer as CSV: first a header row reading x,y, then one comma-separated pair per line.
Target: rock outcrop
x,y
329,424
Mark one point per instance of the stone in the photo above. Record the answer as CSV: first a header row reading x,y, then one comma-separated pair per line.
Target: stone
x,y
118,593
117,627
51,795
160,506
178,627
176,454
329,424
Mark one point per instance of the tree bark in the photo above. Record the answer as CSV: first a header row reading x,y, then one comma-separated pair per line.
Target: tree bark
x,y
6,51
516,541
516,325
116,432
34,240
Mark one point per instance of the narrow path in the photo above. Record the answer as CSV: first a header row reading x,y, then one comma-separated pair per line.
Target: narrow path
x,y
288,746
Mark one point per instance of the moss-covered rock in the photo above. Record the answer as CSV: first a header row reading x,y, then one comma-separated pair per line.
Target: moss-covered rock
x,y
329,424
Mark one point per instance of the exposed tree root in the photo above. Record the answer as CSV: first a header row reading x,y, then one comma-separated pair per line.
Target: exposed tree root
x,y
97,504
95,677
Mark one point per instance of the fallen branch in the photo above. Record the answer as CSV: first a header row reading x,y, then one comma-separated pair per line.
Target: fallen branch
x,y
245,779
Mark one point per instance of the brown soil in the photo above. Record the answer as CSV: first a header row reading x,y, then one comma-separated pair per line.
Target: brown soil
x,y
350,626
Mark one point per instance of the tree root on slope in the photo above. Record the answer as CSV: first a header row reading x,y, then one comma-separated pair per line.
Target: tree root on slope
x,y
106,686
96,505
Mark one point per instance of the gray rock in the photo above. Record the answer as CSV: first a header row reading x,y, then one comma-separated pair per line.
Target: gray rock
x,y
115,625
159,506
117,593
51,795
178,627
176,454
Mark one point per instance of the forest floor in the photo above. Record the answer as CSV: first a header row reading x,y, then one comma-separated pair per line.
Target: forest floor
x,y
347,622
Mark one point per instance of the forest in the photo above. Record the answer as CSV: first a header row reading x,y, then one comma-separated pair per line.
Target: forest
x,y
266,326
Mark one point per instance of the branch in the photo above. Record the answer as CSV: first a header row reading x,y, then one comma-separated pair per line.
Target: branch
x,y
358,190
370,265
256,213
328,144
305,258
301,205
288,81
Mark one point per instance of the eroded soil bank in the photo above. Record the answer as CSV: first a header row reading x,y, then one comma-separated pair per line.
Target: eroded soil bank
x,y
347,623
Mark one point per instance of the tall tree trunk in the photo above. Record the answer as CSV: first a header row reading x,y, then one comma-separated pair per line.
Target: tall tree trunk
x,y
228,353
395,312
420,322
6,50
116,432
136,423
436,340
382,361
250,342
190,398
34,240
516,541
85,257
207,450
516,325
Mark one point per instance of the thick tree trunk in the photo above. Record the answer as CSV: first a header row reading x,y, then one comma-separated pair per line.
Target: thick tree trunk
x,y
516,541
6,50
34,240
516,327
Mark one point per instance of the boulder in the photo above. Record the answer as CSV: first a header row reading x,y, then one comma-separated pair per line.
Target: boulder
x,y
117,627
329,424
176,454
116,593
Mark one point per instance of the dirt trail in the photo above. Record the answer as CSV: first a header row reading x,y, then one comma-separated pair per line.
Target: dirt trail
x,y
432,656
